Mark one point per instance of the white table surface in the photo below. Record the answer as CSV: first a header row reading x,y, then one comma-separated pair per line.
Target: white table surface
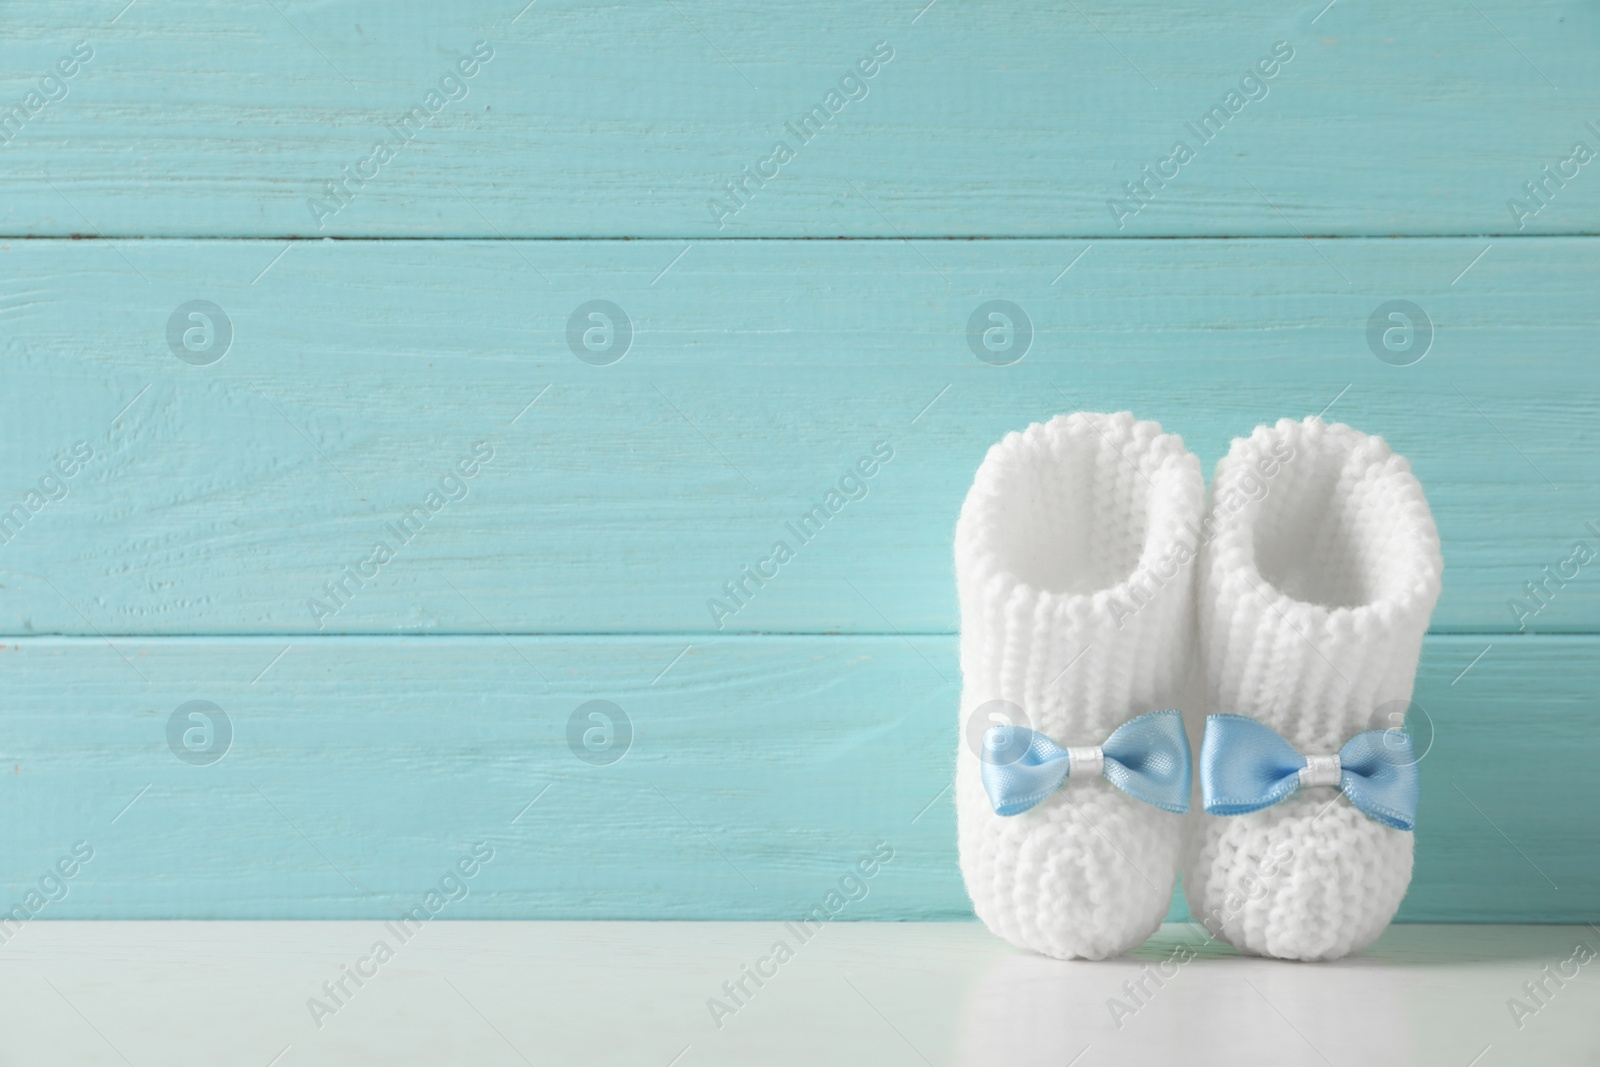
x,y
483,993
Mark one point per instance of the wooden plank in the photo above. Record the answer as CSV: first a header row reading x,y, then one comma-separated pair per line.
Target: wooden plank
x,y
225,498
205,118
759,769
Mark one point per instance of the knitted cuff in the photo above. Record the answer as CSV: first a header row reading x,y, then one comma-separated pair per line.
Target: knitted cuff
x,y
1073,565
1316,585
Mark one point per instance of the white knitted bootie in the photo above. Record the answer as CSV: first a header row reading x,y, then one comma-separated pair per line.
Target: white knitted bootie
x,y
1073,565
1320,570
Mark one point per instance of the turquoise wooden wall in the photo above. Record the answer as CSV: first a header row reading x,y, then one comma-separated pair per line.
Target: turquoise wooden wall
x,y
193,502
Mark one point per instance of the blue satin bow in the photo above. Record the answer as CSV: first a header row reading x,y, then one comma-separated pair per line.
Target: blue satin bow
x,y
1146,757
1246,766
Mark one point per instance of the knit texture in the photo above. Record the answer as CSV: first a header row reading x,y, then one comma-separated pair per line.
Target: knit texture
x,y
1072,610
1315,590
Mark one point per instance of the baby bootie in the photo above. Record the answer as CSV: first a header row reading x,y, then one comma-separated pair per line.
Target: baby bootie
x,y
1073,566
1318,574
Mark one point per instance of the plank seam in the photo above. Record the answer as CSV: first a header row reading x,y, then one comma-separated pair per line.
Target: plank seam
x,y
702,239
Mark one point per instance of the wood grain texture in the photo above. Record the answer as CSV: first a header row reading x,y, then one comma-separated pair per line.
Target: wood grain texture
x,y
223,498
384,728
760,769
208,118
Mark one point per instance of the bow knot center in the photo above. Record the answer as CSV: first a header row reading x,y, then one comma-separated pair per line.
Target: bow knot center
x,y
1086,760
1321,770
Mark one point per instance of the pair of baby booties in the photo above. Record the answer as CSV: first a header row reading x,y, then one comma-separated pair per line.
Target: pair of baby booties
x,y
1096,585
